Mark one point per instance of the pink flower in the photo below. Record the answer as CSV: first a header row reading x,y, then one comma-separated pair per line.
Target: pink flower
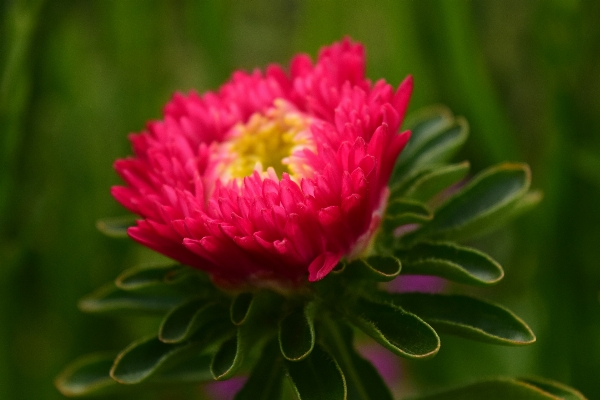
x,y
273,178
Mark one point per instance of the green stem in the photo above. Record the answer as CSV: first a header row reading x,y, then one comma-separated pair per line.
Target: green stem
x,y
343,356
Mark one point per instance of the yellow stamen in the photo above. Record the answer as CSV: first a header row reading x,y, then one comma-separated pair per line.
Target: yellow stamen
x,y
267,140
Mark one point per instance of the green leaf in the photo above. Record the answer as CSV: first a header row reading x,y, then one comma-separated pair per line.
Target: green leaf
x,y
148,276
255,324
468,317
186,318
523,205
317,377
559,390
109,298
297,332
401,332
363,380
480,204
266,380
263,305
405,211
436,137
495,389
380,268
433,182
117,226
191,370
90,375
87,375
144,358
240,307
457,263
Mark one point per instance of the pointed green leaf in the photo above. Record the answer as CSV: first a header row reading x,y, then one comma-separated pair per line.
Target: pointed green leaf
x,y
363,380
297,332
87,375
240,307
557,389
266,380
468,317
186,318
437,180
447,260
401,332
436,137
148,276
380,268
117,226
317,377
109,298
144,358
496,389
480,204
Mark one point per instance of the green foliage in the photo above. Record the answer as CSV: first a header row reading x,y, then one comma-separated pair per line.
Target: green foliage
x,y
450,261
498,389
317,377
380,268
297,332
468,317
185,319
402,333
266,380
362,379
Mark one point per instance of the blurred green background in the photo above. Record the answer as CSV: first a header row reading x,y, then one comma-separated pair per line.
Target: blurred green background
x,y
77,76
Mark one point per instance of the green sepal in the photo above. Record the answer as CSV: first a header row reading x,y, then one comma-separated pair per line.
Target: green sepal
x,y
297,332
317,377
186,318
116,227
448,260
362,379
90,375
380,268
467,317
266,380
479,206
436,137
495,389
109,298
558,389
144,358
433,182
401,332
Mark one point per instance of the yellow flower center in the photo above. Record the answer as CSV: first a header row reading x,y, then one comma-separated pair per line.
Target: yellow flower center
x,y
268,140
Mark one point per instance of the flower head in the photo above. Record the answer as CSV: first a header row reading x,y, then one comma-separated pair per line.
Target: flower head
x,y
273,178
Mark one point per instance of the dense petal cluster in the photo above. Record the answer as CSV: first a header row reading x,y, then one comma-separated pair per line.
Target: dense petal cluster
x,y
273,178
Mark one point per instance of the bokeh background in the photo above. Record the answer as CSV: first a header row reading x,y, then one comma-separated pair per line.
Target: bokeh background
x,y
77,76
